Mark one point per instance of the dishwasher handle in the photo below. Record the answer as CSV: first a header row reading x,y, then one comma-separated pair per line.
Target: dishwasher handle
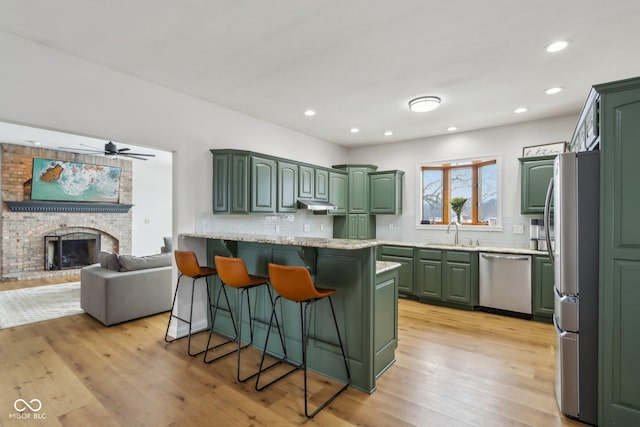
x,y
509,257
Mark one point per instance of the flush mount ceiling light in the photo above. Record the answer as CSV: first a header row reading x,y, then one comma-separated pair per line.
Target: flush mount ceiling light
x,y
557,46
553,90
424,104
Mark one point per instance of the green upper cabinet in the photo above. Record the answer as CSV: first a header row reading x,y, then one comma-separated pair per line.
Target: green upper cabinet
x,y
263,184
385,192
306,182
619,339
321,185
542,282
230,181
338,184
358,194
535,174
287,186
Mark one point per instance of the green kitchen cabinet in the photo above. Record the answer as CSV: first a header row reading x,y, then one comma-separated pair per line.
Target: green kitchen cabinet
x,y
428,274
404,256
385,320
358,194
287,186
543,294
338,188
535,174
263,184
230,182
619,340
461,278
321,187
447,277
354,226
385,192
306,182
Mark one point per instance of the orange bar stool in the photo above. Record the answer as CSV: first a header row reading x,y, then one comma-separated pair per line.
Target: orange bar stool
x,y
233,272
295,284
188,265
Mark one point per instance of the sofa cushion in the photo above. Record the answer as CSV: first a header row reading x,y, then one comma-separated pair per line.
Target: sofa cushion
x,y
133,263
109,261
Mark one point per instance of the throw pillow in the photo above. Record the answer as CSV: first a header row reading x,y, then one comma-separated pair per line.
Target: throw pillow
x,y
111,262
133,263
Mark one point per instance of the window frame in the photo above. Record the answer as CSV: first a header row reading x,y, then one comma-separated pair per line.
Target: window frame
x,y
446,166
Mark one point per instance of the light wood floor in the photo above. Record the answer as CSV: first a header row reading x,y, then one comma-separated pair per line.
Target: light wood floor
x,y
453,368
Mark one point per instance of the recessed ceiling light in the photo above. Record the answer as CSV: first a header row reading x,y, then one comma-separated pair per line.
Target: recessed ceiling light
x,y
520,110
557,46
354,130
388,133
451,128
309,113
553,90
424,104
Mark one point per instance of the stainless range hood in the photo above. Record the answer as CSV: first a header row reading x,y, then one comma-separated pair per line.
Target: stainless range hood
x,y
315,205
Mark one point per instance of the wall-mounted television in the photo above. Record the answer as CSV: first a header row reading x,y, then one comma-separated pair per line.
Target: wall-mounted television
x,y
61,181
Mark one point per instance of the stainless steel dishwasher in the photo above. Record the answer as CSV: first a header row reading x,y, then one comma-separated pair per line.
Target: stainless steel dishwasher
x,y
505,282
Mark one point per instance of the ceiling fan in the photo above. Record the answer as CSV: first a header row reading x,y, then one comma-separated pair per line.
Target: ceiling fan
x,y
110,149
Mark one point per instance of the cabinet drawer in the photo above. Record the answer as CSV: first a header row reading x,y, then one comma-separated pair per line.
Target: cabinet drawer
x,y
397,251
433,254
456,256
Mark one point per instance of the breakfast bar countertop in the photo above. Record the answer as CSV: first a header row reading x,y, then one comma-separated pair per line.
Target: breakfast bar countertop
x,y
349,244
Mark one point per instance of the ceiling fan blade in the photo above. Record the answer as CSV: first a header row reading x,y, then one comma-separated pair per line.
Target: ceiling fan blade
x,y
134,156
124,149
138,154
80,149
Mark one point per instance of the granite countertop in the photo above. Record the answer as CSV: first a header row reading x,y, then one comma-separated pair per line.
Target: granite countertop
x,y
384,266
348,244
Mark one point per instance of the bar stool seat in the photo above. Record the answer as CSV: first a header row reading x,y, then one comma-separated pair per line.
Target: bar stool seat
x,y
233,272
295,284
187,263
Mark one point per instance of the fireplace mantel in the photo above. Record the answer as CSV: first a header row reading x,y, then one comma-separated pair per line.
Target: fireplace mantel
x,y
84,207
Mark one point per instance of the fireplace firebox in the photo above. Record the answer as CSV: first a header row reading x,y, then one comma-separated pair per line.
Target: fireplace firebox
x,y
70,250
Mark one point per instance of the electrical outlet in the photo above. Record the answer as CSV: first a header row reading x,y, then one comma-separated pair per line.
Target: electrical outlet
x,y
390,226
321,227
306,228
518,229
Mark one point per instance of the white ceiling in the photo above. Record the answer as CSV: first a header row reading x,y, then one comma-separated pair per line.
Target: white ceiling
x,y
355,62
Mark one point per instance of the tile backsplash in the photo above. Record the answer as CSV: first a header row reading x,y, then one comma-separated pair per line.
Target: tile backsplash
x,y
302,223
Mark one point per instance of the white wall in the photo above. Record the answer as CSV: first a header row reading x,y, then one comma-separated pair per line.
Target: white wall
x,y
152,197
506,141
48,89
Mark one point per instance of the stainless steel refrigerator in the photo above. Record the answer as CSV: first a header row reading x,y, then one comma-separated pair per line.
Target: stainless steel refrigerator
x,y
574,190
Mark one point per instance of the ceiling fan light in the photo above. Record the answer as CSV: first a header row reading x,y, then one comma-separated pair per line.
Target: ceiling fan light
x,y
424,104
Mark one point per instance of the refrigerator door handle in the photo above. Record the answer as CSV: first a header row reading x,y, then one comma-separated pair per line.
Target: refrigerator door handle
x,y
547,220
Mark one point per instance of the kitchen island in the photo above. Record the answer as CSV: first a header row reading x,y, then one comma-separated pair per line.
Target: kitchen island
x,y
366,299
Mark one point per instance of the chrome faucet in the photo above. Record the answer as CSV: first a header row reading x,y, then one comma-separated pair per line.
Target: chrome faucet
x,y
455,238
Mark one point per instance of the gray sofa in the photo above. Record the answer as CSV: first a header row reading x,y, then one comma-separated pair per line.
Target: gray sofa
x,y
125,287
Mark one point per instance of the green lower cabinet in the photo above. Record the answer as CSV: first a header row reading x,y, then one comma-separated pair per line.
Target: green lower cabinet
x,y
447,277
404,256
429,274
385,321
542,282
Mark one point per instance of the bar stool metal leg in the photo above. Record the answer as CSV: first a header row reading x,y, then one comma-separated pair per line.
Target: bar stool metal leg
x,y
188,322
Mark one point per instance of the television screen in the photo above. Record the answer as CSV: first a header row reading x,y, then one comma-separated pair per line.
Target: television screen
x,y
61,181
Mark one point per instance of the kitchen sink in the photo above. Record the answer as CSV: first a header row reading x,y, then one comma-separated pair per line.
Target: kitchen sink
x,y
452,245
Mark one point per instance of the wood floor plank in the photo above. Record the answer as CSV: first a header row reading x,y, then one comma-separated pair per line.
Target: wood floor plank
x,y
453,368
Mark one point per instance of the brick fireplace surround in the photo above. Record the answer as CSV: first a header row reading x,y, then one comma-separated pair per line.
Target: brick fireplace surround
x,y
22,233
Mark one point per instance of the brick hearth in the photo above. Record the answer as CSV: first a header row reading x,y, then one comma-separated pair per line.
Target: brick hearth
x,y
22,233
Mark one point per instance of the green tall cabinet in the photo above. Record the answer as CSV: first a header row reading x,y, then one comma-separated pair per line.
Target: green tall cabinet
x,y
619,130
358,223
